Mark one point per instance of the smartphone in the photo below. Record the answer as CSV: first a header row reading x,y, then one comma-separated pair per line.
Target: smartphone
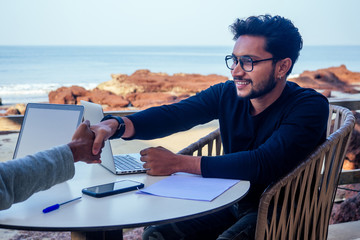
x,y
112,188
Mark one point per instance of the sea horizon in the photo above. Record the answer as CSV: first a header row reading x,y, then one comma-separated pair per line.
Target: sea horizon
x,y
29,73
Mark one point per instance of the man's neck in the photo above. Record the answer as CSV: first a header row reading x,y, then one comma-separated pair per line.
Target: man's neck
x,y
261,103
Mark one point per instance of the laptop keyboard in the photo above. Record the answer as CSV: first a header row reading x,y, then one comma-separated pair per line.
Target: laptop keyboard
x,y
127,163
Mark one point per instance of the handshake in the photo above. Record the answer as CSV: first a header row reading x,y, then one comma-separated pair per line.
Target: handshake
x,y
82,143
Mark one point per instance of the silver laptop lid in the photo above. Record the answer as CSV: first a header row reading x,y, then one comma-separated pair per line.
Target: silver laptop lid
x,y
46,126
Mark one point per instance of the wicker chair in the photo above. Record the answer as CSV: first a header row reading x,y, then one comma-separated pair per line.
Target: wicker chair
x,y
299,205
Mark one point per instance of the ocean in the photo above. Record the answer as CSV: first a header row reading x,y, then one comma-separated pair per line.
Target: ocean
x,y
29,73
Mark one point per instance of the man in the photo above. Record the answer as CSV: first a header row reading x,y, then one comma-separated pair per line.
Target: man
x,y
20,178
268,125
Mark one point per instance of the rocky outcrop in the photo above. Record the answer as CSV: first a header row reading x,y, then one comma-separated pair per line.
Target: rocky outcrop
x,y
143,81
150,99
330,79
66,95
73,95
18,109
140,90
348,210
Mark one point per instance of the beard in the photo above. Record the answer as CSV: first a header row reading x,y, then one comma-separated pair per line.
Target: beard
x,y
262,89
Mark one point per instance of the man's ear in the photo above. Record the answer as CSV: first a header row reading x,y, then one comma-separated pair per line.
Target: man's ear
x,y
282,67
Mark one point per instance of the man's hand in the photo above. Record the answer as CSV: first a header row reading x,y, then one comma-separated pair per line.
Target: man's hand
x,y
160,162
103,131
81,144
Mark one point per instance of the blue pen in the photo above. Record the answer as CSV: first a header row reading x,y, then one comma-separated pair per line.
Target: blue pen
x,y
56,206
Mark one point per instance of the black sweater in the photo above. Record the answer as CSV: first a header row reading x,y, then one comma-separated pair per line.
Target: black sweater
x,y
259,148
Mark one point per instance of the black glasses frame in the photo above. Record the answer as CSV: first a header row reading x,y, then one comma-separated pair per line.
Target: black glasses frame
x,y
238,60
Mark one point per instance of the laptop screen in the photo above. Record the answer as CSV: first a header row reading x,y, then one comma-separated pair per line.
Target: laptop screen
x,y
46,126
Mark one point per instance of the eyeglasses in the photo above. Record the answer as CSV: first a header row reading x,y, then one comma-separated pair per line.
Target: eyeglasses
x,y
246,62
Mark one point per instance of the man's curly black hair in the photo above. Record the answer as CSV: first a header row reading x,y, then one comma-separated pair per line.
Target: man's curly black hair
x,y
283,39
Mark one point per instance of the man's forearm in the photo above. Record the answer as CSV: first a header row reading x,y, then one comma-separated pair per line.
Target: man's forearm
x,y
190,164
129,128
112,125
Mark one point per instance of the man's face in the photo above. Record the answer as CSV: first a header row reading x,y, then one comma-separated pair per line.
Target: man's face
x,y
261,79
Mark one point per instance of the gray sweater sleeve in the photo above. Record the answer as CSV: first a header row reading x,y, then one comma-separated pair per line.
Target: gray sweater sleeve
x,y
20,178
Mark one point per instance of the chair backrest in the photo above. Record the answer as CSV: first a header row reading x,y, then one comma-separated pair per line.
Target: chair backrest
x,y
210,145
299,205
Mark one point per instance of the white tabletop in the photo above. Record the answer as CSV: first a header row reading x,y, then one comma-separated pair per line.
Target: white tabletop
x,y
124,210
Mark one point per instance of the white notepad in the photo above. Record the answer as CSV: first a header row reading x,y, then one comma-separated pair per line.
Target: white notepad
x,y
190,186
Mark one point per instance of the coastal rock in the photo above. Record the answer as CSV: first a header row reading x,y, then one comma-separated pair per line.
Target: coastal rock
x,y
119,86
142,89
18,109
333,78
105,98
149,99
66,95
73,95
345,75
347,211
145,81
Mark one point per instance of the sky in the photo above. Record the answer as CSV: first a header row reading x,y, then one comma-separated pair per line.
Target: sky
x,y
168,22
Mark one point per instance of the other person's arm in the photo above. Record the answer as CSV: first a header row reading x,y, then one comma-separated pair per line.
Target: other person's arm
x,y
20,178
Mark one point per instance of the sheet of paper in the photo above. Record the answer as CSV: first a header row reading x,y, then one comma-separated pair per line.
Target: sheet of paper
x,y
189,186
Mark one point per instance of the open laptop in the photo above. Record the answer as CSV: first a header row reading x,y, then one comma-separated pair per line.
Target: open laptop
x,y
118,164
46,126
